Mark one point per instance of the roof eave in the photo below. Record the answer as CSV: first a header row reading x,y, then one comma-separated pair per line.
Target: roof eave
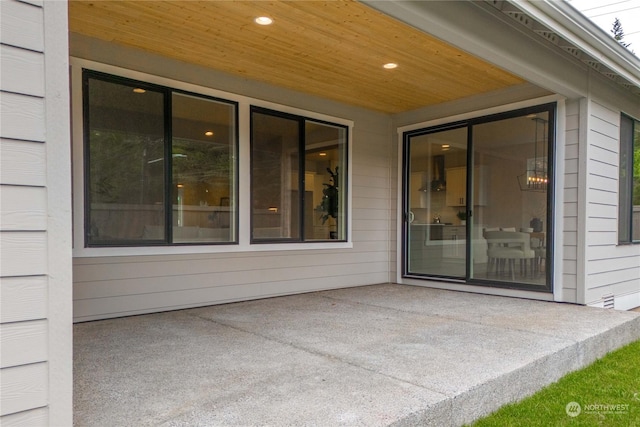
x,y
582,33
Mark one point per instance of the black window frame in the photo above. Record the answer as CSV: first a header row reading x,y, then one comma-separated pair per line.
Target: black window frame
x,y
167,92
550,108
302,120
626,183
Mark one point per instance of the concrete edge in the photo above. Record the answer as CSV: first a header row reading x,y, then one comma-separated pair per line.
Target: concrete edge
x,y
524,381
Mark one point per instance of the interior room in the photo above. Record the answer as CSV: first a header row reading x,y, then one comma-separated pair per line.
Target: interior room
x,y
508,180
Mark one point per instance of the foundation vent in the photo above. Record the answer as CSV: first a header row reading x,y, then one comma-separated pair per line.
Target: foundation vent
x,y
608,301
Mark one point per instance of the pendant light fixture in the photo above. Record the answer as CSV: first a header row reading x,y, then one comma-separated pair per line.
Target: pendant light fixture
x,y
536,177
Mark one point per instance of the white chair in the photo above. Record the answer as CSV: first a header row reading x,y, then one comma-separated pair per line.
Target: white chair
x,y
505,247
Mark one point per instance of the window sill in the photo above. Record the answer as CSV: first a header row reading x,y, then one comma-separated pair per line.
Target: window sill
x,y
94,252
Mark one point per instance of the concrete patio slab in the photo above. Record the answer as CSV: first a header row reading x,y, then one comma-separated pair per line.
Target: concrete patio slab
x,y
375,355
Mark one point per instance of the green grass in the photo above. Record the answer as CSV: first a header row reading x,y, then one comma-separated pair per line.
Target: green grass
x,y
612,380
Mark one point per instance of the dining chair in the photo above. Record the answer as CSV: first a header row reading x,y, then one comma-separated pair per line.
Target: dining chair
x,y
505,247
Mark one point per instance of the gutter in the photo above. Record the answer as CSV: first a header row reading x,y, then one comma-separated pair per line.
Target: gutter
x,y
580,37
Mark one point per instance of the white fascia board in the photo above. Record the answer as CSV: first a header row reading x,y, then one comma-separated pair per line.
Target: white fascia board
x,y
577,29
485,32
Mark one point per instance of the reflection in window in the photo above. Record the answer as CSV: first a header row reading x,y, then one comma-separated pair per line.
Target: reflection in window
x,y
298,178
146,186
202,152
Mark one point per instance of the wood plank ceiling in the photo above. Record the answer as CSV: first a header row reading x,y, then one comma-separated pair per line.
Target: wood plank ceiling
x,y
332,49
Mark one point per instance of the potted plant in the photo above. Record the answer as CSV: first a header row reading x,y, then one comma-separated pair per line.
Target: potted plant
x,y
329,203
462,216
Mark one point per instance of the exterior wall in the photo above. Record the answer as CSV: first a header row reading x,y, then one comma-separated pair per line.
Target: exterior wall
x,y
109,286
569,199
35,227
609,269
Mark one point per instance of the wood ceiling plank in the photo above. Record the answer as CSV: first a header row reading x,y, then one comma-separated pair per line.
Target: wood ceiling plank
x,y
331,49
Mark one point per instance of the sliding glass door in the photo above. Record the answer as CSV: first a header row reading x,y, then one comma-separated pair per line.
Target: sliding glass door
x,y
436,196
510,222
477,200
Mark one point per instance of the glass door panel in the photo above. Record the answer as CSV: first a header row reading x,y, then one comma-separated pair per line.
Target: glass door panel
x,y
510,178
435,202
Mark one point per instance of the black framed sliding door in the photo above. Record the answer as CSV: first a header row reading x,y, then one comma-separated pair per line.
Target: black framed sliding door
x,y
478,200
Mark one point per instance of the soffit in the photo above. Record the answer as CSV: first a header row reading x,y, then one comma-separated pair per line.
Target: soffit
x,y
332,49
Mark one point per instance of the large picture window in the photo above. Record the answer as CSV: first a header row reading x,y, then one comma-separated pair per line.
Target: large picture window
x,y
629,184
298,178
160,165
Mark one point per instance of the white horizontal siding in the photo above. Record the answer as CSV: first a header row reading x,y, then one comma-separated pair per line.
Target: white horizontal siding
x,y
34,117
23,388
23,298
22,25
34,418
127,304
23,117
22,163
610,268
277,266
22,71
22,343
570,202
23,208
23,253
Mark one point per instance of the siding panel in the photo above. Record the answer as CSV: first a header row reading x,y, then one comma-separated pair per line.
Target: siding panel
x,y
22,343
213,279
23,298
23,388
22,117
22,25
22,163
34,418
23,208
98,308
22,71
23,253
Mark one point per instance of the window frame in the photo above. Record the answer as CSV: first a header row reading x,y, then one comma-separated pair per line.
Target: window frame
x,y
470,121
626,238
301,121
167,92
201,85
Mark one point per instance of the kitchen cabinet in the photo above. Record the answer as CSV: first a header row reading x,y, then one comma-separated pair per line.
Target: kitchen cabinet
x,y
457,186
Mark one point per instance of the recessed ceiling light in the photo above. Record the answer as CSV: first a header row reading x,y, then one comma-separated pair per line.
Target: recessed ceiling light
x,y
139,90
390,65
263,20
209,133
322,154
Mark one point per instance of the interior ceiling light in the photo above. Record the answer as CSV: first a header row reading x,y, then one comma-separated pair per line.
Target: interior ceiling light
x,y
263,20
139,90
445,147
322,154
390,65
209,133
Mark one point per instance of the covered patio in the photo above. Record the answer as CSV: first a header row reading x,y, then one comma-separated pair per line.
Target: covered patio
x,y
373,355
